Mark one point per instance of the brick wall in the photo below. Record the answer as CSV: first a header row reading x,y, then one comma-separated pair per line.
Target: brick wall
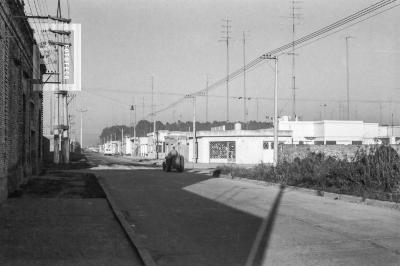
x,y
20,106
3,110
289,152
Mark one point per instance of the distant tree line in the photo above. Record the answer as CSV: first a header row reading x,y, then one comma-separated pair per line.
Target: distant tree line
x,y
144,127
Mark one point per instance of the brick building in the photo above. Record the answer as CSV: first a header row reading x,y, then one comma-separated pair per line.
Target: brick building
x,y
20,105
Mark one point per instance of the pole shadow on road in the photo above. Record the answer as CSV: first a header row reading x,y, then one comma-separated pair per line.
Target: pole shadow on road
x,y
195,230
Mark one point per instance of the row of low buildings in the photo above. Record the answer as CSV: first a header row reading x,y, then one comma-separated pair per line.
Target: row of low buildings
x,y
20,99
255,146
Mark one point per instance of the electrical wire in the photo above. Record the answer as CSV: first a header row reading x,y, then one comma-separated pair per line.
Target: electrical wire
x,y
39,24
278,51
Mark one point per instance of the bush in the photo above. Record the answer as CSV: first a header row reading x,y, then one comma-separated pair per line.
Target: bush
x,y
373,173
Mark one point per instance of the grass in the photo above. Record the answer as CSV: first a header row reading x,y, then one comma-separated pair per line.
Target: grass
x,y
373,173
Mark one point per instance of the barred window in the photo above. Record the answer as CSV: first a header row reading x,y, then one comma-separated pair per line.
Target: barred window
x,y
223,150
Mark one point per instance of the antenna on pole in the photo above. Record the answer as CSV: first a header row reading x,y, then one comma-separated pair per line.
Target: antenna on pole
x,y
294,17
348,76
59,9
245,36
208,77
226,37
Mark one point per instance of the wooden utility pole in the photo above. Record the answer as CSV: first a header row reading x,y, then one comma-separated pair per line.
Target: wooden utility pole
x,y
348,77
81,111
244,80
194,131
207,99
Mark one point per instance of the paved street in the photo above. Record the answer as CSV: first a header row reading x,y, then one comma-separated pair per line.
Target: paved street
x,y
193,219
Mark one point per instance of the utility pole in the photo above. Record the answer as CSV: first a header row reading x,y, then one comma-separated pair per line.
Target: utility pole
x,y
152,105
244,80
276,124
207,99
294,17
194,150
57,134
392,125
257,108
348,77
82,111
225,38
134,126
322,111
143,108
133,108
276,113
61,130
155,135
122,140
194,131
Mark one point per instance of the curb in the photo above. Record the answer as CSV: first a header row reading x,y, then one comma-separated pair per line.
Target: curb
x,y
143,252
325,194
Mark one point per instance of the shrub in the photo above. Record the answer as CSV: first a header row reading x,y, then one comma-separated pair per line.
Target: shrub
x,y
373,173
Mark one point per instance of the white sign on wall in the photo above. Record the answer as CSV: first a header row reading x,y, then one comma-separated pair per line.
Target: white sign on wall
x,y
60,47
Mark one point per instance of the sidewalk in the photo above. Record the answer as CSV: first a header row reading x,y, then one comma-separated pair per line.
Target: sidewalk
x,y
62,219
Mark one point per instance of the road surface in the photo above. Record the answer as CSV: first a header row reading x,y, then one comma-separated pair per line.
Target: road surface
x,y
194,219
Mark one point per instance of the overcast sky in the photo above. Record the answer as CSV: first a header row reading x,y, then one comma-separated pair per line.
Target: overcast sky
x,y
125,42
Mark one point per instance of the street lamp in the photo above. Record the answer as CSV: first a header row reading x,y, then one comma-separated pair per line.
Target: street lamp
x,y
133,108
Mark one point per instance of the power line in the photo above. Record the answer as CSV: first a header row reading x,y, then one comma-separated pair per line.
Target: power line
x,y
35,22
280,50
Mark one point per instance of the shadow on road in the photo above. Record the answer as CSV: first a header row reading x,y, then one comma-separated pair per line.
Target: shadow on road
x,y
180,227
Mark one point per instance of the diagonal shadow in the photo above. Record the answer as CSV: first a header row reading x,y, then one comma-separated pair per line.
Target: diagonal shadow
x,y
258,252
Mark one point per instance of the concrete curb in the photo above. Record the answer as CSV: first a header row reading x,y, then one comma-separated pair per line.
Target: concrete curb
x,y
329,195
143,252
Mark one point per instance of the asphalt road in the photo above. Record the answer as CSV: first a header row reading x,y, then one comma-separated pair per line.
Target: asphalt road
x,y
193,219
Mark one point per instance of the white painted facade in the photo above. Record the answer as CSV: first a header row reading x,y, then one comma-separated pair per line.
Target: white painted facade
x,y
161,138
131,146
143,146
331,132
242,146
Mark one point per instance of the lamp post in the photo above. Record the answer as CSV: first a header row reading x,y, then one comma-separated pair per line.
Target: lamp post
x,y
133,108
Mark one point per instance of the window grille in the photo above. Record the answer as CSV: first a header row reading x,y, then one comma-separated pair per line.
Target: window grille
x,y
223,150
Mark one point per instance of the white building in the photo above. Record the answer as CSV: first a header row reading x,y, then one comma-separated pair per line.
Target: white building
x,y
331,132
163,140
143,146
237,146
131,146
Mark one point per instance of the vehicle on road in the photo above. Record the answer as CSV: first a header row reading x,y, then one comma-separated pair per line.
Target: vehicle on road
x,y
108,151
175,162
